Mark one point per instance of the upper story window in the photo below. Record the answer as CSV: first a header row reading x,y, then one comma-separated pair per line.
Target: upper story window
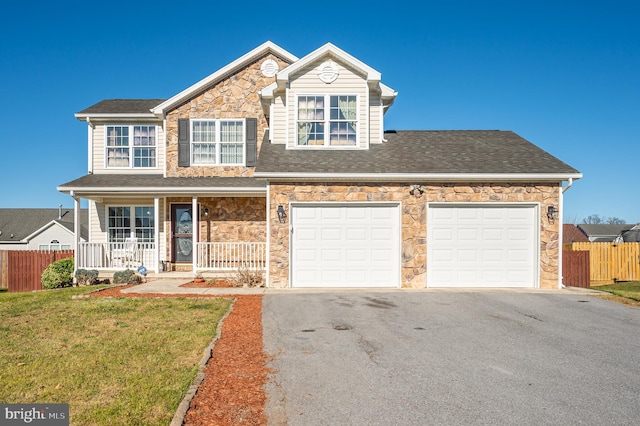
x,y
132,146
327,120
219,142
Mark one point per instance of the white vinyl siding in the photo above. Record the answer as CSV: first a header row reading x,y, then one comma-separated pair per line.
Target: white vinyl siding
x,y
278,121
306,82
376,132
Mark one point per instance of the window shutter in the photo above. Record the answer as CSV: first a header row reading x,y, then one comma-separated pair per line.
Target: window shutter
x,y
184,159
252,142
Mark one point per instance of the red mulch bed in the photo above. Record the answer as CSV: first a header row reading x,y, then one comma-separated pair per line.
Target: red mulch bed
x,y
216,283
232,391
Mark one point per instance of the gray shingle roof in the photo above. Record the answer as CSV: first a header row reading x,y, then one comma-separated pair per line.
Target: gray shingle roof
x,y
122,106
24,222
420,152
150,183
604,232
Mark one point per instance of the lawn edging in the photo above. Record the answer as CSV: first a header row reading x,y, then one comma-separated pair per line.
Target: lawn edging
x,y
183,407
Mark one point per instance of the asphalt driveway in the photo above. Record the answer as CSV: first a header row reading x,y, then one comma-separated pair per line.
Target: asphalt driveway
x,y
451,358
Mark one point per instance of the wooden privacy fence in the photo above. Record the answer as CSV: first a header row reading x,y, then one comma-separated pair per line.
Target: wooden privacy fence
x,y
611,261
575,268
22,269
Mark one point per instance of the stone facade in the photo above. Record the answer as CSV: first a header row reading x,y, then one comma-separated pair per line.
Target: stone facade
x,y
234,97
414,219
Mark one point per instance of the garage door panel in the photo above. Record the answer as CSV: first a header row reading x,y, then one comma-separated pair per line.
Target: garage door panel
x,y
481,246
356,245
330,255
492,234
467,234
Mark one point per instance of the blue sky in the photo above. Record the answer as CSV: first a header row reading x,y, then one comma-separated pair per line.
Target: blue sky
x,y
563,74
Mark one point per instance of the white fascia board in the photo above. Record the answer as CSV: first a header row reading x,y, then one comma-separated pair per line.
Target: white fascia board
x,y
113,191
387,92
372,74
223,72
433,177
134,116
267,92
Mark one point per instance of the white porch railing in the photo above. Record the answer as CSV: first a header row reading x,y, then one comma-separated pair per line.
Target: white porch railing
x,y
114,256
231,256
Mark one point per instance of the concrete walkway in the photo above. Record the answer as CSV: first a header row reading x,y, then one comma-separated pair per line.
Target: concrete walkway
x,y
173,286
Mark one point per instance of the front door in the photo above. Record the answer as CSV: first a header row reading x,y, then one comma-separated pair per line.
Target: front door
x,y
182,233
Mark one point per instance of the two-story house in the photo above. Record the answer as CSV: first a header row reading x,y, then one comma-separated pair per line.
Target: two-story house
x,y
283,163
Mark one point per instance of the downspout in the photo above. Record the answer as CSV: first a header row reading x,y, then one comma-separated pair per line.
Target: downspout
x,y
560,230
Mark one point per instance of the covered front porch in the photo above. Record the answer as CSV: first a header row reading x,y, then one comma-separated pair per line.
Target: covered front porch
x,y
207,224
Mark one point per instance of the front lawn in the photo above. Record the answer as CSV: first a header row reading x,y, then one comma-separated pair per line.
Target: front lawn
x,y
629,290
113,360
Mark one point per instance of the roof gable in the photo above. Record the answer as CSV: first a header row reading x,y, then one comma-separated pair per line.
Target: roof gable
x,y
241,62
22,224
329,50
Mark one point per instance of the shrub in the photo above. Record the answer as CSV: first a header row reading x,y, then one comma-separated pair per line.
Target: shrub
x,y
126,277
58,274
86,276
245,277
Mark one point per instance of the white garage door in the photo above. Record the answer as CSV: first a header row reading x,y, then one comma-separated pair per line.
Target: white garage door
x,y
352,245
482,246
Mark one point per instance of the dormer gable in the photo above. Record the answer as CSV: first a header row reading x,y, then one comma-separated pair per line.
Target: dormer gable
x,y
327,99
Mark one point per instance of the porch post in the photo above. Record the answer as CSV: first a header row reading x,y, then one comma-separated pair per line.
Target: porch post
x,y
156,232
76,233
196,228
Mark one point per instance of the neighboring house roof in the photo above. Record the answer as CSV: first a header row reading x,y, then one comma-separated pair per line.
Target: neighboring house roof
x,y
454,155
158,184
603,232
119,107
21,224
572,234
632,235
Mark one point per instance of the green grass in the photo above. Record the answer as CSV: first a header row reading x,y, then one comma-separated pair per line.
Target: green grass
x,y
628,289
113,360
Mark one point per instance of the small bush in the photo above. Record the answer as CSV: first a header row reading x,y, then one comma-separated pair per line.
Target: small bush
x,y
59,274
245,277
87,276
127,277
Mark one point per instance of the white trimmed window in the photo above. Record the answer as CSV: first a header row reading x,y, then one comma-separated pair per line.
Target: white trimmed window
x,y
54,245
130,222
327,120
132,146
217,142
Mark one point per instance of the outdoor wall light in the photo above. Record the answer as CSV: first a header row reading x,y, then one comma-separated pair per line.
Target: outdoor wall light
x,y
206,211
552,214
416,190
282,216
